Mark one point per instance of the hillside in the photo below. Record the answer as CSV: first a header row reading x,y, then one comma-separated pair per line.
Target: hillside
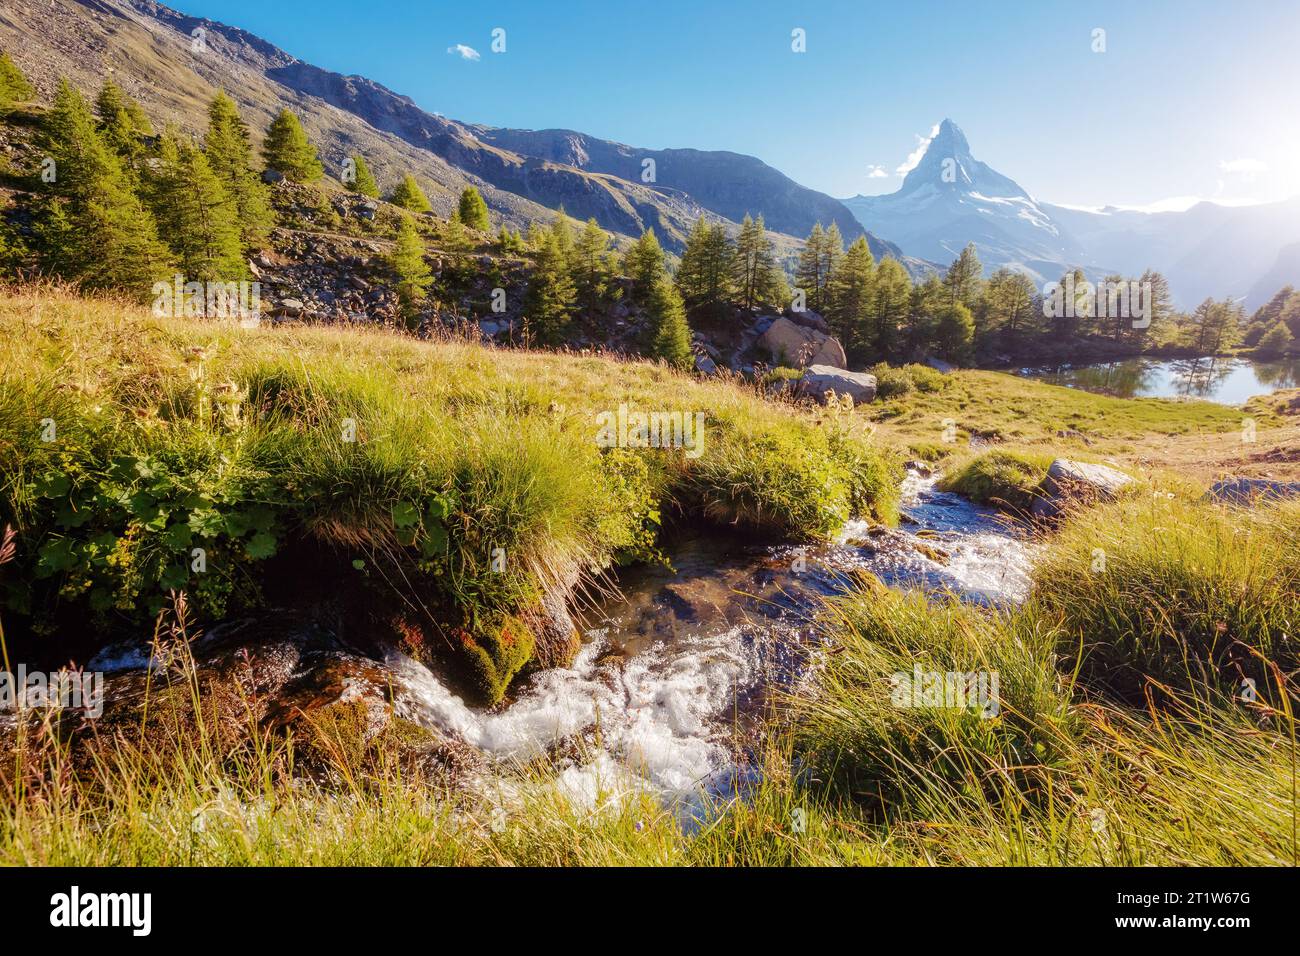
x,y
151,51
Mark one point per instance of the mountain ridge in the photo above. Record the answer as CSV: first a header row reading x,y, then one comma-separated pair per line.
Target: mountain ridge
x,y
173,62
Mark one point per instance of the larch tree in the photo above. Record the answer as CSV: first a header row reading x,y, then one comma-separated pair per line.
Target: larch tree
x,y
116,125
409,196
230,154
892,305
851,301
704,276
818,260
964,279
411,274
671,341
362,180
472,210
644,263
591,271
549,300
98,232
287,150
14,87
196,216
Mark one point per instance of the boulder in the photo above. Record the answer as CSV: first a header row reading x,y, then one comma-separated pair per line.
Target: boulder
x,y
705,365
795,346
1245,491
289,307
819,379
1071,482
809,320
272,176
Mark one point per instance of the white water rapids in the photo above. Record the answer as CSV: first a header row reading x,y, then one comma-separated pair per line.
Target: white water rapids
x,y
655,697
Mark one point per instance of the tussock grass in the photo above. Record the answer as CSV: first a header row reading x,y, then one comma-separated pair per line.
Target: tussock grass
x,y
395,462
865,728
1055,778
1005,477
1176,592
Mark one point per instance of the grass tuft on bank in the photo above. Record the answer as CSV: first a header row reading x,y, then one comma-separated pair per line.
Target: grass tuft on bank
x,y
141,455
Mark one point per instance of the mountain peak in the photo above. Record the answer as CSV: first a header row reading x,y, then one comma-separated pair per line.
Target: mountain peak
x,y
949,166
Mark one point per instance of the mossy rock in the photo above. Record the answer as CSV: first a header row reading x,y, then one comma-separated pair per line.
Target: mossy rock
x,y
496,656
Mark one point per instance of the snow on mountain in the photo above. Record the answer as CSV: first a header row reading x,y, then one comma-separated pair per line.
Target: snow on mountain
x,y
948,199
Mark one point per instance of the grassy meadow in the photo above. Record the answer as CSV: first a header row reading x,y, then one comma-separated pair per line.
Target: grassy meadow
x,y
1123,736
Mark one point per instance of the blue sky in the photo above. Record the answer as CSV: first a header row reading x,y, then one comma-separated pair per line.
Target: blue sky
x,y
1189,98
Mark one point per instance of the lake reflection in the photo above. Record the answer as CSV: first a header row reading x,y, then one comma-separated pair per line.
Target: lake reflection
x,y
1229,381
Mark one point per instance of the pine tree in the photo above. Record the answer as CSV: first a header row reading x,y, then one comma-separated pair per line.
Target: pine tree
x,y
892,305
106,239
1276,340
549,301
954,329
287,150
644,263
671,340
195,215
409,196
965,278
472,210
591,272
411,273
362,181
230,154
704,276
818,261
14,87
115,123
1010,300
851,300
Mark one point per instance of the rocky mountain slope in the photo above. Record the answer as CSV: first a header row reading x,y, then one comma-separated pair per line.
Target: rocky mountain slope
x,y
173,63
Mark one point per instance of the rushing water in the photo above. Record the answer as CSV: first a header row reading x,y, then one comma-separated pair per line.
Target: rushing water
x,y
674,672
1228,381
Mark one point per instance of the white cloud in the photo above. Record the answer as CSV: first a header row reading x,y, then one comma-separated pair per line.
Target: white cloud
x,y
876,172
914,157
463,51
1242,167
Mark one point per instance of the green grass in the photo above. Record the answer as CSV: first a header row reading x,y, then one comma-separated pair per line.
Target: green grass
x,y
1121,737
998,407
1005,477
847,778
1162,591
1068,772
393,467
